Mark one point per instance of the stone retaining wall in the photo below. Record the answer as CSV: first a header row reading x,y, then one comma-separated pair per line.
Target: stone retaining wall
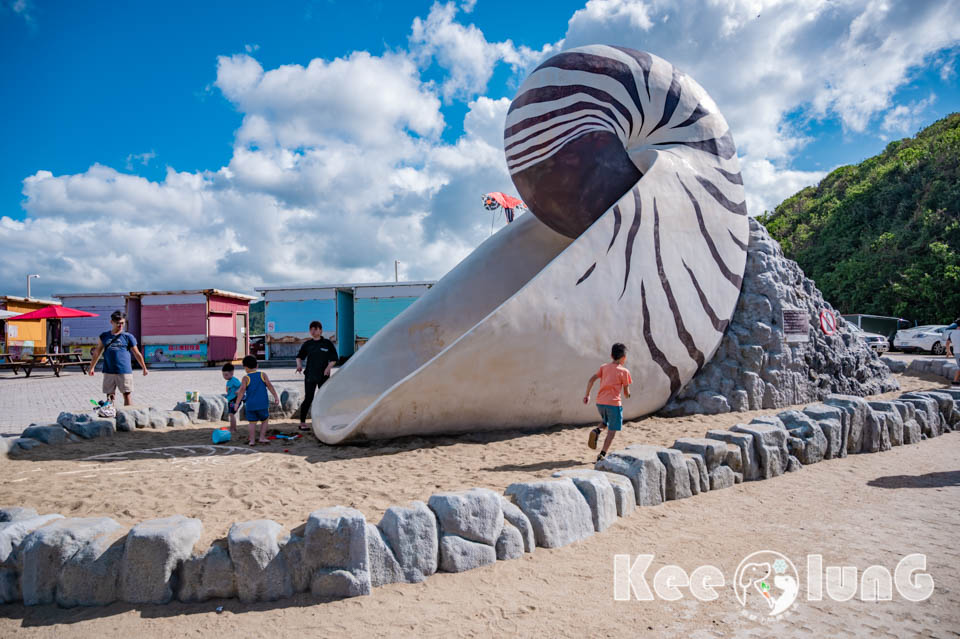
x,y
75,427
93,561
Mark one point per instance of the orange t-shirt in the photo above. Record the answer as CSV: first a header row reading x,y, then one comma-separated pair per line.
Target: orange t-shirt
x,y
613,377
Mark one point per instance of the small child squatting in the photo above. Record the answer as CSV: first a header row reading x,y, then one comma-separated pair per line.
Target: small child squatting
x,y
253,390
613,377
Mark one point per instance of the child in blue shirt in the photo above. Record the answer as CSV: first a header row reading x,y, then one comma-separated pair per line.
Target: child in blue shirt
x,y
253,390
233,385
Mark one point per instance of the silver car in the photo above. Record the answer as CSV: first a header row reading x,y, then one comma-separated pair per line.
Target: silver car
x,y
929,338
878,343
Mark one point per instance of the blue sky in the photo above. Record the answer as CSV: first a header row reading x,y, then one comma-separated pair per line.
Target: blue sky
x,y
134,133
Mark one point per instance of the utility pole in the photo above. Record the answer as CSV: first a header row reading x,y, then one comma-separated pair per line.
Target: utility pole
x,y
29,277
396,270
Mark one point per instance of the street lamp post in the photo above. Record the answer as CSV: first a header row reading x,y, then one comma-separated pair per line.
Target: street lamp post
x,y
29,277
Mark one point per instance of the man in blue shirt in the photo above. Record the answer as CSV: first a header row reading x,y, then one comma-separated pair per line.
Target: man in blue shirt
x,y
115,346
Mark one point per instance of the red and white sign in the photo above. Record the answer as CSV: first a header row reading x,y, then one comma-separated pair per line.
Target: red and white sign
x,y
828,321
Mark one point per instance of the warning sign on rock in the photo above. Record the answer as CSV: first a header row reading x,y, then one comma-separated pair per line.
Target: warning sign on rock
x,y
796,326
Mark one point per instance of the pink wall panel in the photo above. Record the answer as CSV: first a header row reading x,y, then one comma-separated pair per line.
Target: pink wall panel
x,y
222,326
227,305
173,319
221,348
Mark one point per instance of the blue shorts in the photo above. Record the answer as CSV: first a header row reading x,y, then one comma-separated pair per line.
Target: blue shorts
x,y
257,415
611,416
232,407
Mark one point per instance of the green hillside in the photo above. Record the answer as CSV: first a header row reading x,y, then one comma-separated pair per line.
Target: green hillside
x,y
883,237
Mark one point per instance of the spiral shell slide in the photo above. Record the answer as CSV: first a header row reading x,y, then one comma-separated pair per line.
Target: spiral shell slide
x,y
638,235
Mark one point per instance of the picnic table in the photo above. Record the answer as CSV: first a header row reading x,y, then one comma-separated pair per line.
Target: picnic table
x,y
7,362
56,361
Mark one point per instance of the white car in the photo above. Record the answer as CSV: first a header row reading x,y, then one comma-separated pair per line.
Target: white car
x,y
878,343
922,338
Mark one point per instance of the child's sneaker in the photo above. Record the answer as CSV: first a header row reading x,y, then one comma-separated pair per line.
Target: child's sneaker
x,y
592,440
601,456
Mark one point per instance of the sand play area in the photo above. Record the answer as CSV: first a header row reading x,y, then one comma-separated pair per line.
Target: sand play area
x,y
868,509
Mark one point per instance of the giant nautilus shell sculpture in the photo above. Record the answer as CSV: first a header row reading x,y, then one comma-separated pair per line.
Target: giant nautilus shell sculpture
x,y
638,235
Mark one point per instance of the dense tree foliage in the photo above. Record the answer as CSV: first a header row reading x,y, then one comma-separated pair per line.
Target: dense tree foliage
x,y
883,237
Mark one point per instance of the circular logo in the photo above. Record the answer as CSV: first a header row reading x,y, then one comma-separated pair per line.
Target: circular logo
x,y
828,321
766,584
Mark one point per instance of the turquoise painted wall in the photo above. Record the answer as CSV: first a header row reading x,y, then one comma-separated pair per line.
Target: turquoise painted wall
x,y
295,317
372,314
345,333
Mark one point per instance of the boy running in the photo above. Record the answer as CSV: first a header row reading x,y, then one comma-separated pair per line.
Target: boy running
x,y
253,390
613,377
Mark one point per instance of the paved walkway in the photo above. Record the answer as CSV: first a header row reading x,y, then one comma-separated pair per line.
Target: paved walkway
x,y
41,397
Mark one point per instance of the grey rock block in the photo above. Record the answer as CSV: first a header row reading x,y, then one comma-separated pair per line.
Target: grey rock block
x,y
90,577
693,470
16,513
835,433
212,407
644,470
46,550
734,459
336,552
947,407
154,550
793,464
597,490
677,477
190,409
749,460
458,554
712,451
876,436
9,586
521,522
473,514
855,410
893,419
699,473
46,433
260,570
155,418
557,511
770,445
100,427
822,413
809,432
176,419
13,533
927,413
207,576
384,567
722,477
412,537
510,543
911,432
895,365
129,418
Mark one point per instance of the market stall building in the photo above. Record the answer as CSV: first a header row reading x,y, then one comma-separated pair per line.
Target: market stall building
x,y
350,313
21,339
193,328
82,333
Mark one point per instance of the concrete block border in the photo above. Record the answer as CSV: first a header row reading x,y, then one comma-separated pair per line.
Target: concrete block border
x,y
75,427
92,561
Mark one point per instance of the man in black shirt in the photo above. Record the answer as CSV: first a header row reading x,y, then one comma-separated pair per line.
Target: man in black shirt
x,y
321,355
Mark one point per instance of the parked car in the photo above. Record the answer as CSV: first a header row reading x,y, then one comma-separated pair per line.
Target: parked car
x,y
929,338
878,343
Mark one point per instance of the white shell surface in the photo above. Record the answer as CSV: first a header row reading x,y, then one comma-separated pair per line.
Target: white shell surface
x,y
509,338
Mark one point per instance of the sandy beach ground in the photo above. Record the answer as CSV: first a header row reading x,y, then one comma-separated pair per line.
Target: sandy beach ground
x,y
859,511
